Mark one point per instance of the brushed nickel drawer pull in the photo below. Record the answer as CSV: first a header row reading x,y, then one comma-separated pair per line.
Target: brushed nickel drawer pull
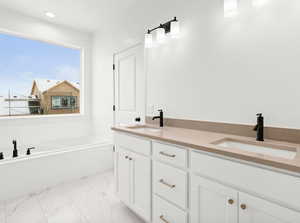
x,y
163,219
166,184
166,154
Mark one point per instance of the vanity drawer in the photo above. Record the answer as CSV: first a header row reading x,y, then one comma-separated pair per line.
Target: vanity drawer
x,y
133,143
170,154
164,212
170,183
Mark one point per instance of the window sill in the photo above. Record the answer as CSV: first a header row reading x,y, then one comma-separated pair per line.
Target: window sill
x,y
42,116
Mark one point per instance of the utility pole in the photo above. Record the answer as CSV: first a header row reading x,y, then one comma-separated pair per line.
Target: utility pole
x,y
9,103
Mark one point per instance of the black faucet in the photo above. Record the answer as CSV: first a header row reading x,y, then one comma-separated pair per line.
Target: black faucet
x,y
1,156
15,151
259,128
161,118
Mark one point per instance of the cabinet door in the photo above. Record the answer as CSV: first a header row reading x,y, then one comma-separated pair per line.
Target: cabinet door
x,y
256,210
123,176
141,185
212,202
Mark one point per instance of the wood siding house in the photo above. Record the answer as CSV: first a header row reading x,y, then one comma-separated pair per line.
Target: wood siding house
x,y
57,97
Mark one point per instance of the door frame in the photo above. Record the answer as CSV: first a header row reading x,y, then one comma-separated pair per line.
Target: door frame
x,y
114,78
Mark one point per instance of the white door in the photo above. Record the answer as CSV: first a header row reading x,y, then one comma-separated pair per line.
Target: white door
x,y
123,176
212,202
256,210
141,185
129,85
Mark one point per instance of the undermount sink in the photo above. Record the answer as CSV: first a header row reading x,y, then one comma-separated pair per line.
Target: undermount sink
x,y
145,128
259,148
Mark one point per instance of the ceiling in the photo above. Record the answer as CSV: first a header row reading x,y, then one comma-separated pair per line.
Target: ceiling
x,y
87,15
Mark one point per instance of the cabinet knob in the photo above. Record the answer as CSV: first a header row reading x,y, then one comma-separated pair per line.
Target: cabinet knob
x,y
126,157
130,158
230,201
243,206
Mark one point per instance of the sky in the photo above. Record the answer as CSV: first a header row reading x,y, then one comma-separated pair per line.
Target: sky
x,y
23,60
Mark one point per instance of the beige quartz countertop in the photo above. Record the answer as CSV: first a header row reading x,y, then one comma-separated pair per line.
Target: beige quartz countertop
x,y
205,141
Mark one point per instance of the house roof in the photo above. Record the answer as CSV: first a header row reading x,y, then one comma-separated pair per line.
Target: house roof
x,y
45,84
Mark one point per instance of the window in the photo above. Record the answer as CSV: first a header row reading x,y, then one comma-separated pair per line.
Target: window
x,y
38,78
64,102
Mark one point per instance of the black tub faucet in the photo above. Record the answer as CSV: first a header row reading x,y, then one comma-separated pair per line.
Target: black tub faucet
x,y
161,118
259,128
15,151
29,150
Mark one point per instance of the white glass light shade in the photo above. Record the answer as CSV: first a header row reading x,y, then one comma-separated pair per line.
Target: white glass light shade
x,y
160,35
230,8
175,29
148,40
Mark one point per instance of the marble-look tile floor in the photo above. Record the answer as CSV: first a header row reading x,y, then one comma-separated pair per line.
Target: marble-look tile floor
x,y
88,200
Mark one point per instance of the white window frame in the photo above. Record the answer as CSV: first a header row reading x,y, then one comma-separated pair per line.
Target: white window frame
x,y
82,75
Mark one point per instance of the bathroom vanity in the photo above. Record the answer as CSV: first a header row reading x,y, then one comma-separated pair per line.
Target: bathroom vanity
x,y
176,175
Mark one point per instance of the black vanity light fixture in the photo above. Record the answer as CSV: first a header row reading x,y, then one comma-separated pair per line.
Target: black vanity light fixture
x,y
172,27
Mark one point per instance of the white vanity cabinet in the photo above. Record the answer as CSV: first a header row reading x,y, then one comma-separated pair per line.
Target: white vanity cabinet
x,y
123,177
165,183
140,184
133,176
233,203
212,202
256,210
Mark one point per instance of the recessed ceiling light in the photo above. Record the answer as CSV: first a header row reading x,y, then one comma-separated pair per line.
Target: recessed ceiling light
x,y
50,14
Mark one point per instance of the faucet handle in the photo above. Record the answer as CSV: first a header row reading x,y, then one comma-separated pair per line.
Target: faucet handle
x,y
259,114
160,110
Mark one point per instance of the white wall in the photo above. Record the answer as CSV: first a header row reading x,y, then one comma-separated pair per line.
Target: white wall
x,y
36,130
227,70
223,70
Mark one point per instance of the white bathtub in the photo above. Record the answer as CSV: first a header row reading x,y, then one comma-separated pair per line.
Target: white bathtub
x,y
51,164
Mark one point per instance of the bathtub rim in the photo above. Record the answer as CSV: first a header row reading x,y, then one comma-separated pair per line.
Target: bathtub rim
x,y
63,150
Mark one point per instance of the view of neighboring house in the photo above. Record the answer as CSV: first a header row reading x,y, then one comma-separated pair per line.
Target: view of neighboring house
x,y
2,109
56,97
18,105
